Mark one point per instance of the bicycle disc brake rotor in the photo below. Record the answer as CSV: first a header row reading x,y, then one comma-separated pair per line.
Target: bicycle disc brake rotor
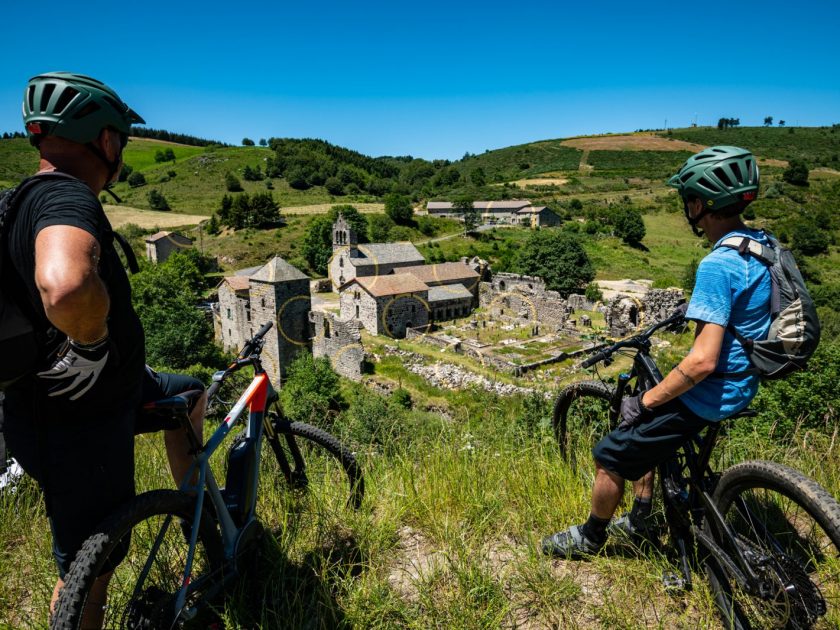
x,y
794,599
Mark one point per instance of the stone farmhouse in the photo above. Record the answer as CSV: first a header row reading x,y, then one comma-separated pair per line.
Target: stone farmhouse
x,y
351,260
162,245
509,211
276,292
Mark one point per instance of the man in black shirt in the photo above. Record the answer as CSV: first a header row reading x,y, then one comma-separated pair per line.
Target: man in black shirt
x,y
72,424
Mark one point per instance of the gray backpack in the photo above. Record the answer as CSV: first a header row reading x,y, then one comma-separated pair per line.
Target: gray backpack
x,y
794,327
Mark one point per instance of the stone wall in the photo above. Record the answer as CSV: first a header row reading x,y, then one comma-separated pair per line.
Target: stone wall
x,y
522,299
624,314
580,303
356,303
340,341
233,327
397,313
287,304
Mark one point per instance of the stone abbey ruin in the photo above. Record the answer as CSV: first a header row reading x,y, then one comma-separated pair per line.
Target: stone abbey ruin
x,y
511,323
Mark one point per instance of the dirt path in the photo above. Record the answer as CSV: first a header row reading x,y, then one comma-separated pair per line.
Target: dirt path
x,y
584,167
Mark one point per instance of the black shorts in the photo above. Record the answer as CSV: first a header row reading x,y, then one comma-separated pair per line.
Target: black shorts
x,y
85,466
630,453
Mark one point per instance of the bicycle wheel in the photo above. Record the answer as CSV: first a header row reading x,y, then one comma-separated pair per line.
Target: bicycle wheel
x,y
317,480
581,418
147,577
788,528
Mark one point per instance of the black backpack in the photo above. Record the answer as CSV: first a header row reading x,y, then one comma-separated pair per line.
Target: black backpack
x,y
19,343
794,327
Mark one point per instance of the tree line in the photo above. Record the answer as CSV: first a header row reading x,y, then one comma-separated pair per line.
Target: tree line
x,y
169,136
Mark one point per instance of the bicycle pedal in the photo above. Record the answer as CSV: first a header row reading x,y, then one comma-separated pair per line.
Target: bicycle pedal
x,y
672,582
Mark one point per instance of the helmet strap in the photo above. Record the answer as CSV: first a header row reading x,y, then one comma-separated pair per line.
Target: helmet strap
x,y
693,222
112,166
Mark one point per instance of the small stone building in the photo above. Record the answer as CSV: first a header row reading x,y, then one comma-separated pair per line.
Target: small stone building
x,y
162,245
276,292
538,216
352,260
386,305
340,341
502,211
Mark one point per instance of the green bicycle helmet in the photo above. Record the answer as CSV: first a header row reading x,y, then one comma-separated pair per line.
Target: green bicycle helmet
x,y
75,107
721,177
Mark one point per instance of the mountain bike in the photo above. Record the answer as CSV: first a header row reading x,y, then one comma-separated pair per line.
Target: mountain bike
x,y
174,553
767,536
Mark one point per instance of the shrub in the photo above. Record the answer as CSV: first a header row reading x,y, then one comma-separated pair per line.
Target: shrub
x,y
136,179
379,228
334,186
809,239
310,391
232,183
398,208
401,398
629,226
593,292
125,171
156,200
796,173
558,258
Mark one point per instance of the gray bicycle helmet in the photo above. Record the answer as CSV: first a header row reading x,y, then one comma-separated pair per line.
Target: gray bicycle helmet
x,y
75,107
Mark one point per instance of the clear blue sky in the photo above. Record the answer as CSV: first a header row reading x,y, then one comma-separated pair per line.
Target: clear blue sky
x,y
434,79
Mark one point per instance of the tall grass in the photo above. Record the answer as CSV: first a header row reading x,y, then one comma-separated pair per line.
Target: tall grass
x,y
448,535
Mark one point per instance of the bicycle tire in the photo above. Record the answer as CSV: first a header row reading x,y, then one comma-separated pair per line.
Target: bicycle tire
x,y
578,429
122,611
789,526
317,484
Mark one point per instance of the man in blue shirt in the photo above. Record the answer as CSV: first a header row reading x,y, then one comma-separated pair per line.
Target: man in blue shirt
x,y
709,384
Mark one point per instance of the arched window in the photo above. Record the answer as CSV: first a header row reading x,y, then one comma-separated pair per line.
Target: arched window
x,y
327,328
341,261
357,310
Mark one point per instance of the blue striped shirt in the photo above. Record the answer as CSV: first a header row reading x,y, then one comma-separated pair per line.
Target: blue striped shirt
x,y
730,289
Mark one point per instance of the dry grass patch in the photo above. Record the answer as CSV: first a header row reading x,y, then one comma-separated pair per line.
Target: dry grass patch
x,y
122,215
543,181
323,208
631,143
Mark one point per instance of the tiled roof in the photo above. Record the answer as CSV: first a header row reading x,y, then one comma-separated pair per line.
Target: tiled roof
x,y
449,292
386,254
535,210
442,272
237,283
504,205
392,284
248,271
278,270
172,235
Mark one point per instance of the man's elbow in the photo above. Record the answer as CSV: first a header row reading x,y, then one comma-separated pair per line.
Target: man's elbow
x,y
62,291
705,366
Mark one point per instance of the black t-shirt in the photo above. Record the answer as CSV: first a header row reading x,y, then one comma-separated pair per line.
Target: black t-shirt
x,y
72,202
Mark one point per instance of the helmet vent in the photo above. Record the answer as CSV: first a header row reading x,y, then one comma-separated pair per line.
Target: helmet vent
x,y
87,110
750,171
115,104
736,170
46,95
722,176
703,157
31,98
64,98
705,183
685,177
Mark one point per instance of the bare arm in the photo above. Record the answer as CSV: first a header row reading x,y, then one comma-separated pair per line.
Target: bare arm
x,y
696,366
75,298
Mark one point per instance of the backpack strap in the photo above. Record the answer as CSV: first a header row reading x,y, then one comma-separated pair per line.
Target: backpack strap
x,y
745,245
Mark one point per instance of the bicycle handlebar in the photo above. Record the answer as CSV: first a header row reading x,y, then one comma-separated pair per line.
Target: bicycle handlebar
x,y
636,341
246,352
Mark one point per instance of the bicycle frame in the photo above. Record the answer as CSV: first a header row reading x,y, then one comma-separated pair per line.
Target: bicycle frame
x,y
256,398
685,509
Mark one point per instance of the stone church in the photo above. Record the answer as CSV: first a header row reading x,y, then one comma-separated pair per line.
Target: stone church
x,y
352,260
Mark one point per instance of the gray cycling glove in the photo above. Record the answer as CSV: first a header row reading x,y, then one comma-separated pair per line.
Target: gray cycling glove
x,y
77,367
633,412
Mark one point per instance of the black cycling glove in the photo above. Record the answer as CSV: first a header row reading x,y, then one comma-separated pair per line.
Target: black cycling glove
x,y
634,412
